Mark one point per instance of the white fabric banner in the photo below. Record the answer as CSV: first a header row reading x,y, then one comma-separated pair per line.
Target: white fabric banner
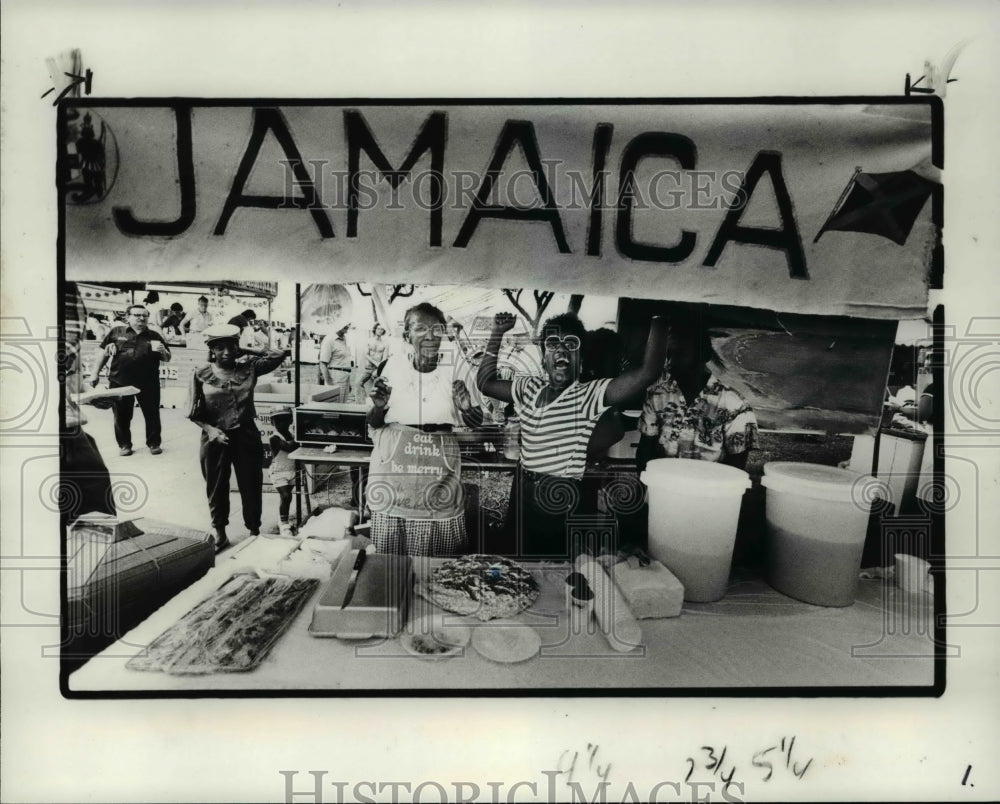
x,y
824,208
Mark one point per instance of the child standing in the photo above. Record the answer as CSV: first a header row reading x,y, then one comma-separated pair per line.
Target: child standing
x,y
282,469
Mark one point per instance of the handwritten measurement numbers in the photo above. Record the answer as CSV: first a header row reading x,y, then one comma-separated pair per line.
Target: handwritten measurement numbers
x,y
568,763
785,749
715,762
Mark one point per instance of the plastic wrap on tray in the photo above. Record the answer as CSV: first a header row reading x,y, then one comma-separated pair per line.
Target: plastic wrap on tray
x,y
230,631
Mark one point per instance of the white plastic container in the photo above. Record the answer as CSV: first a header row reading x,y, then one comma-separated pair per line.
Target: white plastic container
x,y
694,508
817,518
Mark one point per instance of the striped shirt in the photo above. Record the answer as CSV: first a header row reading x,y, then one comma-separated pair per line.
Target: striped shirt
x,y
554,437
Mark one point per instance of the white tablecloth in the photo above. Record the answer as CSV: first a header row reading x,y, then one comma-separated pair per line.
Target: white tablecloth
x,y
755,637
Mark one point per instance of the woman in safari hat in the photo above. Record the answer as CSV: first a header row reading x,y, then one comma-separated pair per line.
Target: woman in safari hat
x,y
222,406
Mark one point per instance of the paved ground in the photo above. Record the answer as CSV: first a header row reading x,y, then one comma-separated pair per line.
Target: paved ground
x,y
170,486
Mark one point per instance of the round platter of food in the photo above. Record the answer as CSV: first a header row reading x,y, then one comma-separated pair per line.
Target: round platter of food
x,y
434,637
506,642
483,586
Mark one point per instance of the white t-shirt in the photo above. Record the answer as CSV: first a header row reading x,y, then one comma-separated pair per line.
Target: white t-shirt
x,y
419,398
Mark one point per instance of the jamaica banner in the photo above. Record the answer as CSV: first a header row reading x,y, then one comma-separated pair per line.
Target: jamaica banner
x,y
821,207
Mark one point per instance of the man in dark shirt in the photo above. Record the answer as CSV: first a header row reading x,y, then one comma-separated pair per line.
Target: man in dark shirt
x,y
135,352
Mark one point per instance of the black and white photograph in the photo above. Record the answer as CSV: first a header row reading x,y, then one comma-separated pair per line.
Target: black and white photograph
x,y
649,418
693,431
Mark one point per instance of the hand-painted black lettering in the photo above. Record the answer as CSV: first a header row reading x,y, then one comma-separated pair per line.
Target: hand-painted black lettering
x,y
602,142
652,143
522,133
264,121
127,222
785,238
432,137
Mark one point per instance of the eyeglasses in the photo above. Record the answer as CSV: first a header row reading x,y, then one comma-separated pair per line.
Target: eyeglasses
x,y
139,315
438,330
570,343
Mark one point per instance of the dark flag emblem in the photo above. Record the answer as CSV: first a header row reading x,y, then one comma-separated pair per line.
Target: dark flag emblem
x,y
91,157
883,204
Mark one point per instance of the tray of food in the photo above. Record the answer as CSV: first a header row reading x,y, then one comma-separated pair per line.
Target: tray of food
x,y
436,637
230,631
483,586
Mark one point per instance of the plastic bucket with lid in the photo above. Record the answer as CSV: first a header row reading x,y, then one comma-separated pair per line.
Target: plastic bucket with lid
x,y
817,519
694,507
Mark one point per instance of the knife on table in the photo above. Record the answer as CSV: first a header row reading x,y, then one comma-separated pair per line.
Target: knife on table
x,y
352,581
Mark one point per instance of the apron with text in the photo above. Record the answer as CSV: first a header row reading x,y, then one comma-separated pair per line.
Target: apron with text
x,y
413,474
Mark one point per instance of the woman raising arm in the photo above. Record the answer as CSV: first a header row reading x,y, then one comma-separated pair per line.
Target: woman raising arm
x,y
222,406
558,414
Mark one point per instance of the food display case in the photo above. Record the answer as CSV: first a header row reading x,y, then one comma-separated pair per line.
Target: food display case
x,y
324,423
272,397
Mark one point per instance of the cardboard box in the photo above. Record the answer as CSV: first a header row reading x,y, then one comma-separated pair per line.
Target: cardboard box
x,y
380,602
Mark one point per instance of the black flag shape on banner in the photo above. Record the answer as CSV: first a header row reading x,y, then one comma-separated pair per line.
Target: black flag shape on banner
x,y
883,204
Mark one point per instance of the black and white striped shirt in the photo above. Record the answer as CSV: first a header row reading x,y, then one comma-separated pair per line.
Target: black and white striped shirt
x,y
554,437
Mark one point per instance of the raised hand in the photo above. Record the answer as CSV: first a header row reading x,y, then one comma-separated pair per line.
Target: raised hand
x,y
380,392
461,396
503,322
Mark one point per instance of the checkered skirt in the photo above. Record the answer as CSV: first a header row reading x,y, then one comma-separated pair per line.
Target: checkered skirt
x,y
419,537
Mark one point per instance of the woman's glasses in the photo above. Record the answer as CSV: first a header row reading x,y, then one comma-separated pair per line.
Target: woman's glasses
x,y
438,330
570,343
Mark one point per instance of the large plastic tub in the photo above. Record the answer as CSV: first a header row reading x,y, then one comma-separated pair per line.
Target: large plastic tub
x,y
817,518
694,508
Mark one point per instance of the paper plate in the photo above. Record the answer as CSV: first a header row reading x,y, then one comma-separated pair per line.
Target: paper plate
x,y
435,637
506,643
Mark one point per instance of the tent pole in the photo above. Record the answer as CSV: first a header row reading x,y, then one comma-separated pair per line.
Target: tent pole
x,y
297,335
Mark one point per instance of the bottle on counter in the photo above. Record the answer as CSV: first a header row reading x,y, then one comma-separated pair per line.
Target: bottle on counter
x,y
499,416
512,439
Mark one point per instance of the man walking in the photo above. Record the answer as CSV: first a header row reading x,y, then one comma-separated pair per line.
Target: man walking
x,y
135,352
335,361
201,320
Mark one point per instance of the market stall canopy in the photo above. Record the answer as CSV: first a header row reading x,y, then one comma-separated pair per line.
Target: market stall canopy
x,y
228,287
104,299
716,202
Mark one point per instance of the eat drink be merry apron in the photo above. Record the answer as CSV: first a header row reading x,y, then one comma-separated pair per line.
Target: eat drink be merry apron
x,y
413,474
